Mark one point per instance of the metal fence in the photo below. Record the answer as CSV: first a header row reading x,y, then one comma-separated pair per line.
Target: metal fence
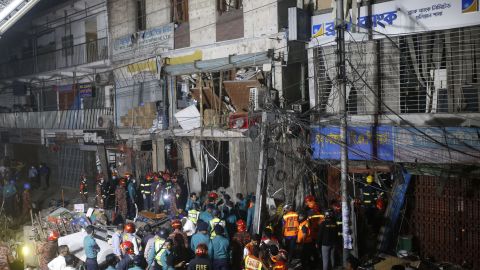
x,y
70,119
76,55
432,72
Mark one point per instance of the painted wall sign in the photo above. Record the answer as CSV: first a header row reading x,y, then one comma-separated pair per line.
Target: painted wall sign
x,y
85,90
405,16
326,143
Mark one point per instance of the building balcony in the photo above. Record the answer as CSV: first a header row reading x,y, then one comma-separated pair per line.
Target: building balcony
x,y
85,54
87,119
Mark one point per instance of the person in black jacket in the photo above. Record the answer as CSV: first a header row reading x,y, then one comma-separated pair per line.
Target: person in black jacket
x,y
201,260
328,235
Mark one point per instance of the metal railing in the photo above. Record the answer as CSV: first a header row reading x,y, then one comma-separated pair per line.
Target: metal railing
x,y
70,119
76,55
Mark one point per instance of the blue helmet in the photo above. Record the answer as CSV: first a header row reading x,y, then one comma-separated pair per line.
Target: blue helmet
x,y
26,186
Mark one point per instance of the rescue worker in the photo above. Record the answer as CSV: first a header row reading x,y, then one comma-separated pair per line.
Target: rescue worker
x,y
194,213
230,217
180,242
280,260
206,215
219,249
33,176
156,188
156,252
241,206
252,260
188,227
59,262
121,199
216,221
315,217
201,260
201,236
145,190
167,193
91,249
305,242
328,237
168,257
290,229
268,239
176,192
147,235
26,200
212,198
99,192
47,251
192,202
250,213
254,242
370,196
127,255
132,196
84,188
129,235
239,240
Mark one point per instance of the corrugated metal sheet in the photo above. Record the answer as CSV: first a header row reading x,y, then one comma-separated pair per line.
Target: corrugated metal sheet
x,y
234,61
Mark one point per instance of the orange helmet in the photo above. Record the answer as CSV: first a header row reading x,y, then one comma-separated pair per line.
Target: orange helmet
x,y
129,228
201,250
127,247
176,224
241,225
149,176
309,198
53,236
122,182
310,202
127,174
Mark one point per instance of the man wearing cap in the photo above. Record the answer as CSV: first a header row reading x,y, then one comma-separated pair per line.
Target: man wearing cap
x,y
91,249
201,236
219,250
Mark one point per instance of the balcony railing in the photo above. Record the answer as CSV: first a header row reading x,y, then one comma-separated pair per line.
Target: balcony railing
x,y
70,119
76,55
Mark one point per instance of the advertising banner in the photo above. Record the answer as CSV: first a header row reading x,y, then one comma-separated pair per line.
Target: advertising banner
x,y
326,143
402,17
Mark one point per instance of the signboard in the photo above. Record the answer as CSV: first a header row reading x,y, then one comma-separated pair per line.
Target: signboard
x,y
142,71
144,42
85,90
414,145
400,17
326,143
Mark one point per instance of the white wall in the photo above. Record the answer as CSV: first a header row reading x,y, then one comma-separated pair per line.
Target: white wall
x,y
202,19
260,18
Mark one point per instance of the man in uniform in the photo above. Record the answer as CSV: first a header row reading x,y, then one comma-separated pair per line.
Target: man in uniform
x,y
328,237
154,257
145,190
91,249
132,195
369,199
121,199
48,250
129,235
305,242
290,229
240,239
99,192
216,221
84,188
201,260
219,249
201,236
252,260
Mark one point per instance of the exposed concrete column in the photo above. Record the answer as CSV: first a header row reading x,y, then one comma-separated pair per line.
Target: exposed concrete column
x,y
237,167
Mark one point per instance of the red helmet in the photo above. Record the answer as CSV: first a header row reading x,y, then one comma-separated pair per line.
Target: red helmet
x,y
213,195
156,176
127,247
241,225
129,228
122,182
176,224
201,250
166,176
309,198
149,176
53,236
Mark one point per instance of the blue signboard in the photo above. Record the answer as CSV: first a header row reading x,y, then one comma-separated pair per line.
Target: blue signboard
x,y
326,143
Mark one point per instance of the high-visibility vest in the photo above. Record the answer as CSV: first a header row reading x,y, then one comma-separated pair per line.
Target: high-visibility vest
x,y
252,263
214,222
280,265
159,243
304,237
193,215
290,227
145,188
315,220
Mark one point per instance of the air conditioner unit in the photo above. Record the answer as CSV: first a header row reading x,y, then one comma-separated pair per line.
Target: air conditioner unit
x,y
256,98
103,121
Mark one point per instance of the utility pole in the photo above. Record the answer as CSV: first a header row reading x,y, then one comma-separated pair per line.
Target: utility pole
x,y
342,87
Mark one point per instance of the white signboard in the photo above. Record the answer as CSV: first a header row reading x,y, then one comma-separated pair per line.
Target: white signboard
x,y
400,17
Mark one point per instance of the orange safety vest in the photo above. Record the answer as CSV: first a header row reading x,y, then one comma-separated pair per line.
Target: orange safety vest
x,y
280,265
290,226
252,263
304,237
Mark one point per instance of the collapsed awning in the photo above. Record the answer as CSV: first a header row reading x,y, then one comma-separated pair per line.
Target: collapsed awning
x,y
13,11
214,65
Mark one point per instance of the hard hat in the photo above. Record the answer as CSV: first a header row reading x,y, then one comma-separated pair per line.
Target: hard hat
x,y
149,176
156,176
369,179
329,213
53,236
309,198
176,224
213,195
127,174
287,207
162,233
241,225
26,186
122,182
201,250
127,247
129,228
